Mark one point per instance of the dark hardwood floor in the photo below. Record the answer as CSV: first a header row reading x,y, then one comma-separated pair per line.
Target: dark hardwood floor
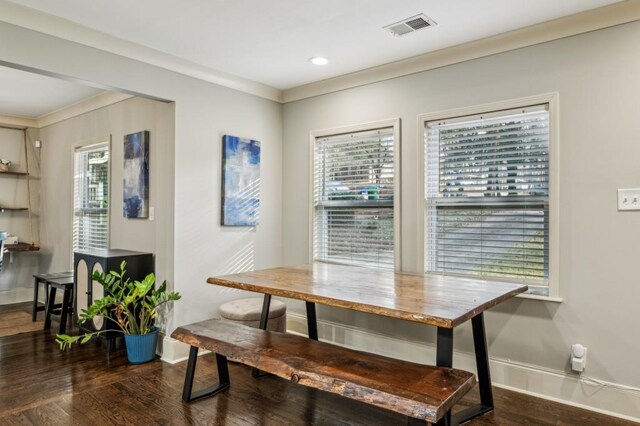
x,y
39,385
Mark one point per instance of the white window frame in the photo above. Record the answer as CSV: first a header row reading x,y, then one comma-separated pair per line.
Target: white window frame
x,y
363,127
552,99
83,146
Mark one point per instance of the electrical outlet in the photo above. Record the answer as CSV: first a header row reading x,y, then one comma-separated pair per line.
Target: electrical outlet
x,y
629,199
578,357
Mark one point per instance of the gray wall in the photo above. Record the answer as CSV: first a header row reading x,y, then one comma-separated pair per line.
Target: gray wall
x,y
195,246
114,121
596,76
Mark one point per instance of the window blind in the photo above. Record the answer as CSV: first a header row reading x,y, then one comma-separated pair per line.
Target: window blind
x,y
353,198
487,196
91,198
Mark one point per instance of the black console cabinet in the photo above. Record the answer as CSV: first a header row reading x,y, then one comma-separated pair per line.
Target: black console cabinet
x,y
85,262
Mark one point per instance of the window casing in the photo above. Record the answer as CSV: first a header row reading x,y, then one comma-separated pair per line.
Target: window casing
x,y
354,196
488,194
91,197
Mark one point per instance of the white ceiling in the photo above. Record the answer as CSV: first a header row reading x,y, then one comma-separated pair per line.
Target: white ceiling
x,y
271,41
28,95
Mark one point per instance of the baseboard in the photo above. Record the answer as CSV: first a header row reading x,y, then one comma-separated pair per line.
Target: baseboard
x,y
16,295
174,351
606,398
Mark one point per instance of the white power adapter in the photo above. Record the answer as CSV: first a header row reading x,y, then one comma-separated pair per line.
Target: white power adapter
x,y
578,357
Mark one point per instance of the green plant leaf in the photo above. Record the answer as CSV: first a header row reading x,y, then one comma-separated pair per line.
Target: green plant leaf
x,y
130,305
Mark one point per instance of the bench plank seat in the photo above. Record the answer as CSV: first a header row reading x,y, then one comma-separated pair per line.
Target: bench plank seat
x,y
418,391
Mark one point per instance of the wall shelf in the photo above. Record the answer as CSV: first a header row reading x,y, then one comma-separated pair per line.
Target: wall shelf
x,y
21,186
21,247
13,209
14,173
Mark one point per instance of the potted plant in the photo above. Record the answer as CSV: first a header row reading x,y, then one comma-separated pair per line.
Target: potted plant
x,y
130,305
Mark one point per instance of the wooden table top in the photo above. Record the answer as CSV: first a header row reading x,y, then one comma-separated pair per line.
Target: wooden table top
x,y
443,301
60,281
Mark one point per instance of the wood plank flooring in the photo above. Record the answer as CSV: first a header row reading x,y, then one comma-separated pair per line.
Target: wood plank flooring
x,y
39,385
18,321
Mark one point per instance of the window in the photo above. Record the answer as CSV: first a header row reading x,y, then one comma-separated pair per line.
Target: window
x,y
487,196
91,197
353,196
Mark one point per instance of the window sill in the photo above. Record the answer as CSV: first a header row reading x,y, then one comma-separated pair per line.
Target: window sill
x,y
542,298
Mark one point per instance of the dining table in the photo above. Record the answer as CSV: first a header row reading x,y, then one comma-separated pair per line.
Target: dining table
x,y
442,301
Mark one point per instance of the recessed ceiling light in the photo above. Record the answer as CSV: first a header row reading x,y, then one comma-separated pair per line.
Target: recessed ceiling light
x,y
319,60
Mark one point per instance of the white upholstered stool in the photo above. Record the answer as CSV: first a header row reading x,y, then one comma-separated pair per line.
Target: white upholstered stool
x,y
248,312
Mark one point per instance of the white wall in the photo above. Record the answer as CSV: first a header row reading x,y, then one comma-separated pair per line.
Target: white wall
x,y
204,112
597,78
16,278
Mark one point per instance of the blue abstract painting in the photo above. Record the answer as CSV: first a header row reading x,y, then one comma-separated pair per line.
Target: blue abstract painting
x,y
136,175
240,181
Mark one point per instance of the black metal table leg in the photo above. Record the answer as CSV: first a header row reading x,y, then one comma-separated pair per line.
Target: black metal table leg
x,y
482,360
264,319
484,376
444,358
312,322
444,347
224,381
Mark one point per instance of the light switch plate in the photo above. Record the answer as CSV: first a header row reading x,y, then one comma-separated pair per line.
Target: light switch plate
x,y
629,199
152,213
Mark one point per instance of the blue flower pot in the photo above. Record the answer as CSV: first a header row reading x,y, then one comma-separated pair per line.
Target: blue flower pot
x,y
141,348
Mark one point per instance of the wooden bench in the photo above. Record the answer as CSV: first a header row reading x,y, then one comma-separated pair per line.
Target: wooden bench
x,y
44,279
66,308
422,392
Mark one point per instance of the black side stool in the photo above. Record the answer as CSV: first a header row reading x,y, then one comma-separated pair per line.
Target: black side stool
x,y
65,284
43,279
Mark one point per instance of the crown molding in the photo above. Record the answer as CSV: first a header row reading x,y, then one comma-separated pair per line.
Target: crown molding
x,y
17,122
592,20
93,103
58,27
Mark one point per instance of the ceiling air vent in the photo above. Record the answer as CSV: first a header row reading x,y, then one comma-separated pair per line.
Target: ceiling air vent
x,y
410,25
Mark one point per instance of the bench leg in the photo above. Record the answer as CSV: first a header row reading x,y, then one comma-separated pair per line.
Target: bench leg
x,y
110,345
36,287
223,378
49,310
66,305
264,319
312,322
445,421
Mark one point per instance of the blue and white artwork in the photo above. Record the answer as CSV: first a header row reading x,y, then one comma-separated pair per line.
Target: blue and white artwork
x,y
240,181
136,175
